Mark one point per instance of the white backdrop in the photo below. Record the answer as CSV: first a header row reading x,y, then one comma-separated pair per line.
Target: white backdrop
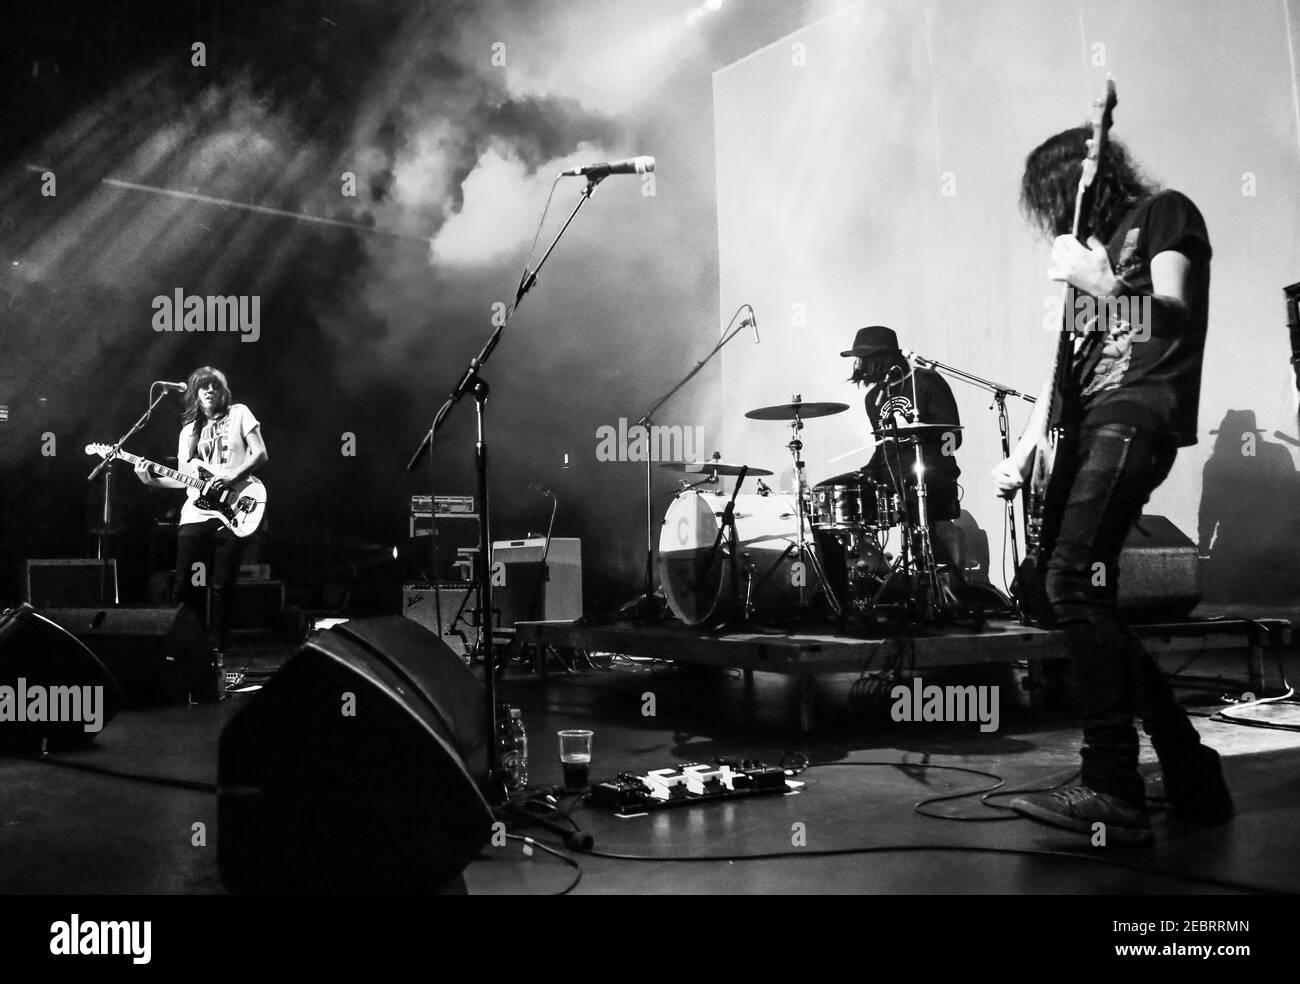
x,y
868,171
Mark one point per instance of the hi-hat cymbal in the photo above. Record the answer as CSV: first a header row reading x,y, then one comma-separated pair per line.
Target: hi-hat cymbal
x,y
713,465
804,411
913,430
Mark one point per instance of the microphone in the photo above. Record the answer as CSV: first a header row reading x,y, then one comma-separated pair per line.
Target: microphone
x,y
752,321
174,387
919,360
537,488
633,165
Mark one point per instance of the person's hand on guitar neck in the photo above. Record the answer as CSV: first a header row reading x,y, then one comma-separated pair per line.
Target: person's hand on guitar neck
x,y
147,473
1085,268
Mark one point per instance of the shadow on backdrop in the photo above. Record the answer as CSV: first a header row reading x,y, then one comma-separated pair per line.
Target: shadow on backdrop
x,y
1249,519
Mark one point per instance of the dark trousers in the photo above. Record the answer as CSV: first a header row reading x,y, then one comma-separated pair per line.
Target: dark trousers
x,y
219,551
1110,478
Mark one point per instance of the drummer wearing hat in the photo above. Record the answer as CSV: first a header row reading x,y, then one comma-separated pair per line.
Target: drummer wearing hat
x,y
899,392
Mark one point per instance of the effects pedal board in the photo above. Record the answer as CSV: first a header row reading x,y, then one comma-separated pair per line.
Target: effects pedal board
x,y
689,784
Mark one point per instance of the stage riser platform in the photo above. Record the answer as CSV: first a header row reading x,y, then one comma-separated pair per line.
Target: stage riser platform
x,y
806,656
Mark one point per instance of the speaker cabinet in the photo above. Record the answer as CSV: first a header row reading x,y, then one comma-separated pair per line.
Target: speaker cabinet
x,y
1159,573
356,768
37,652
437,609
523,592
159,654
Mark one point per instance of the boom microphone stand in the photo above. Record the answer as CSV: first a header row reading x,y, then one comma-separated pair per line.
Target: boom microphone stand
x,y
106,504
472,382
644,606
1000,394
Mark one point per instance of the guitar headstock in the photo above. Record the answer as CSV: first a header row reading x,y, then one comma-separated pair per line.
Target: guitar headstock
x,y
1103,115
103,450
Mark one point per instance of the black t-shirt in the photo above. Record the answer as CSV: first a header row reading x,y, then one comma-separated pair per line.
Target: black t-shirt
x,y
1143,366
933,404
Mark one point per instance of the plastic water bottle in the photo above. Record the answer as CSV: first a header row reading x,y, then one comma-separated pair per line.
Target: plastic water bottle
x,y
514,754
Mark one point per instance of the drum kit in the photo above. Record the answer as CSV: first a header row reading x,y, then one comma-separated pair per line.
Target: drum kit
x,y
848,549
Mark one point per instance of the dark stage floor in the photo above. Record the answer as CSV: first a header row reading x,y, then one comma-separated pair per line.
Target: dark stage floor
x,y
67,827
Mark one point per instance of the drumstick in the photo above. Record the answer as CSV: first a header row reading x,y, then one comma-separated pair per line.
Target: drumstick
x,y
849,454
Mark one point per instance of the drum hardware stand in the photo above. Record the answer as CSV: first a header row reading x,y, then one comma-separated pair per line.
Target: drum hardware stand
x,y
725,528
904,560
710,479
1000,394
472,382
807,552
646,606
932,602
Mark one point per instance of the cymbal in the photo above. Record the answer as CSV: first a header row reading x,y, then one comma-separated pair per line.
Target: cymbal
x,y
804,411
712,466
913,430
848,478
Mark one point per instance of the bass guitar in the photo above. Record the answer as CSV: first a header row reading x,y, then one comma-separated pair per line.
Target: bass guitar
x,y
1042,498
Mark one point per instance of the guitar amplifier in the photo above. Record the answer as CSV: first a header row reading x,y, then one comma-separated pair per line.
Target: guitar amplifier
x,y
436,610
520,590
1159,572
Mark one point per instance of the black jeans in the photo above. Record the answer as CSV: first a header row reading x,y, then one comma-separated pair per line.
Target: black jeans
x,y
219,551
1110,478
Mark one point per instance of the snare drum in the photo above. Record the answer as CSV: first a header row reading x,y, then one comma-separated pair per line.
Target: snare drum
x,y
698,583
839,506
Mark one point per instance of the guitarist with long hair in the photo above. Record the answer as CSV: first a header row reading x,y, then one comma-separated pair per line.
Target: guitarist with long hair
x,y
227,439
1128,388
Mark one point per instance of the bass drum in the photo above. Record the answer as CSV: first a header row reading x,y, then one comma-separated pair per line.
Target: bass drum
x,y
699,588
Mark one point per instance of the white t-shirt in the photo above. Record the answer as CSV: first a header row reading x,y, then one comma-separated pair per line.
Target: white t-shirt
x,y
223,445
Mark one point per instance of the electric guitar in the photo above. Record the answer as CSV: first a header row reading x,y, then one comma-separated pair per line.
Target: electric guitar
x,y
240,506
1042,505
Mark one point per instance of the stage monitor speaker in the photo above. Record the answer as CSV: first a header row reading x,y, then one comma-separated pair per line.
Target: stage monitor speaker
x,y
37,652
65,583
1159,573
356,768
159,654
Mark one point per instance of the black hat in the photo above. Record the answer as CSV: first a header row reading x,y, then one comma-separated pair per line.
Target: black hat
x,y
873,339
1238,421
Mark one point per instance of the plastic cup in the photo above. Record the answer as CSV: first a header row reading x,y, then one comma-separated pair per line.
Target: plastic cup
x,y
575,758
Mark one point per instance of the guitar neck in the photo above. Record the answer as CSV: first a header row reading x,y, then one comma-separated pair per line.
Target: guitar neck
x,y
192,481
1080,228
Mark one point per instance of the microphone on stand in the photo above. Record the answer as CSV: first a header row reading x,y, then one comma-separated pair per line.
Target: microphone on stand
x,y
174,387
752,321
924,363
544,491
633,165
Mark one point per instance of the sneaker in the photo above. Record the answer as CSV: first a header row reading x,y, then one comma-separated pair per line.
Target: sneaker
x,y
1195,788
233,679
1079,807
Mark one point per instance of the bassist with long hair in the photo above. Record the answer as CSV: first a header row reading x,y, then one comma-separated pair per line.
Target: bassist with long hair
x,y
1124,400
